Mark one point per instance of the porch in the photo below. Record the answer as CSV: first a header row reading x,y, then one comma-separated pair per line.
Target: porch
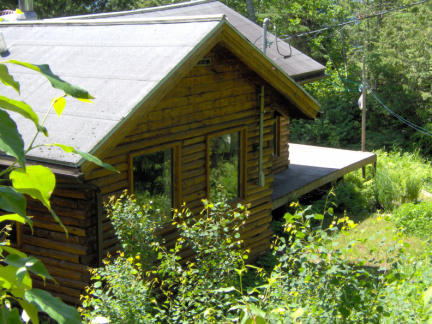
x,y
314,166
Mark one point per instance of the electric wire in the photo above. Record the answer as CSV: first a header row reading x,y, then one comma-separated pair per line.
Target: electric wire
x,y
354,20
276,41
407,122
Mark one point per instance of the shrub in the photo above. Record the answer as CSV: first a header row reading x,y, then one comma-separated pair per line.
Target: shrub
x,y
399,178
312,280
415,219
353,195
315,283
174,290
135,226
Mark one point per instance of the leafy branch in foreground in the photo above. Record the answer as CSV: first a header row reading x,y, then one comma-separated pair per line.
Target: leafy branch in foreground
x,y
38,182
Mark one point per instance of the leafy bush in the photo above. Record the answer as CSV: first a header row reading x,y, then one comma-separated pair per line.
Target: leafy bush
x,y
174,290
415,219
314,282
353,195
310,280
135,226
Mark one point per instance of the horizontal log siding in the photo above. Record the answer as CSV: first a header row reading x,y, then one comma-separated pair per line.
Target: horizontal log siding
x,y
209,99
66,257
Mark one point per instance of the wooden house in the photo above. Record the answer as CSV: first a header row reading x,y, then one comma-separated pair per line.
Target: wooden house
x,y
182,91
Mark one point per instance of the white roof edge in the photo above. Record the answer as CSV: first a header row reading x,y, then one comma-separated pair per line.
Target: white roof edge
x,y
136,11
129,21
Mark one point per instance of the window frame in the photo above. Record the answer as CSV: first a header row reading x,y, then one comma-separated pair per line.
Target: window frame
x,y
242,163
176,185
277,139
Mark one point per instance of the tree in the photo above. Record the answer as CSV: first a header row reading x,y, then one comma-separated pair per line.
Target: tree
x,y
38,182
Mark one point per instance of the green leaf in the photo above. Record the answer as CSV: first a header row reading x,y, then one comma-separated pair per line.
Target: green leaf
x,y
228,289
36,181
344,311
9,316
12,201
59,105
30,310
87,156
8,281
257,311
29,263
299,312
8,79
53,306
12,250
56,82
14,218
318,216
427,298
23,109
11,141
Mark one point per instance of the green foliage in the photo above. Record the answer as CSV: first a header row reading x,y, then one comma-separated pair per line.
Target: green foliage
x,y
39,183
175,289
224,180
135,226
415,219
309,277
400,178
120,293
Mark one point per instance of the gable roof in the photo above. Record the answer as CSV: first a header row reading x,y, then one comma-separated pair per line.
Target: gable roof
x,y
299,66
127,65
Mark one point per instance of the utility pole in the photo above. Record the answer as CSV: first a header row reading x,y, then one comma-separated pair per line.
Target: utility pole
x,y
363,134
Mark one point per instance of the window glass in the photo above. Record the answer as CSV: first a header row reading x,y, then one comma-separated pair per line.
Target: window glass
x,y
153,180
225,166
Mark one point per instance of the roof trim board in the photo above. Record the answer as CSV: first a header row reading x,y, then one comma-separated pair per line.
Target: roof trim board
x,y
111,22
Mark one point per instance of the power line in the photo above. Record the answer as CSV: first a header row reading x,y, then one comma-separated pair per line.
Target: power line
x,y
407,122
354,20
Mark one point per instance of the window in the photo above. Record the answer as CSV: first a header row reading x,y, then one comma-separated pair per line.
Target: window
x,y
225,169
153,179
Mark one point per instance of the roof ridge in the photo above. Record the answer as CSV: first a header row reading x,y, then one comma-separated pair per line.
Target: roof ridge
x,y
135,11
126,21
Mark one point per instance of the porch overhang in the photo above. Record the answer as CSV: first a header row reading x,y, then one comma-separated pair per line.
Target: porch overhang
x,y
312,167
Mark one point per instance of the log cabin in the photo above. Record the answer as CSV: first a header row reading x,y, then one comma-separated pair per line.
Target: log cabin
x,y
181,93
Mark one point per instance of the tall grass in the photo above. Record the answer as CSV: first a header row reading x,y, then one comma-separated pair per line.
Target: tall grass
x,y
400,178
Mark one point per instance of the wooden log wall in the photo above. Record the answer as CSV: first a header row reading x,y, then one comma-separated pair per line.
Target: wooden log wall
x,y
221,96
66,256
213,98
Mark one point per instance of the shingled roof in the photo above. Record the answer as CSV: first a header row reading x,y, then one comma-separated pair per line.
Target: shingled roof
x,y
299,66
128,65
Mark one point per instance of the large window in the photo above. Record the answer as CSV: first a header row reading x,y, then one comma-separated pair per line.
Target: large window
x,y
225,166
153,180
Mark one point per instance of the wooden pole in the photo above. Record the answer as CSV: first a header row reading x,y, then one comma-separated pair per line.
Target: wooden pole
x,y
363,134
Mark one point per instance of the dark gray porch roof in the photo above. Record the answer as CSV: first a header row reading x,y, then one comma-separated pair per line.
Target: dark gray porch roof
x,y
299,66
313,166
